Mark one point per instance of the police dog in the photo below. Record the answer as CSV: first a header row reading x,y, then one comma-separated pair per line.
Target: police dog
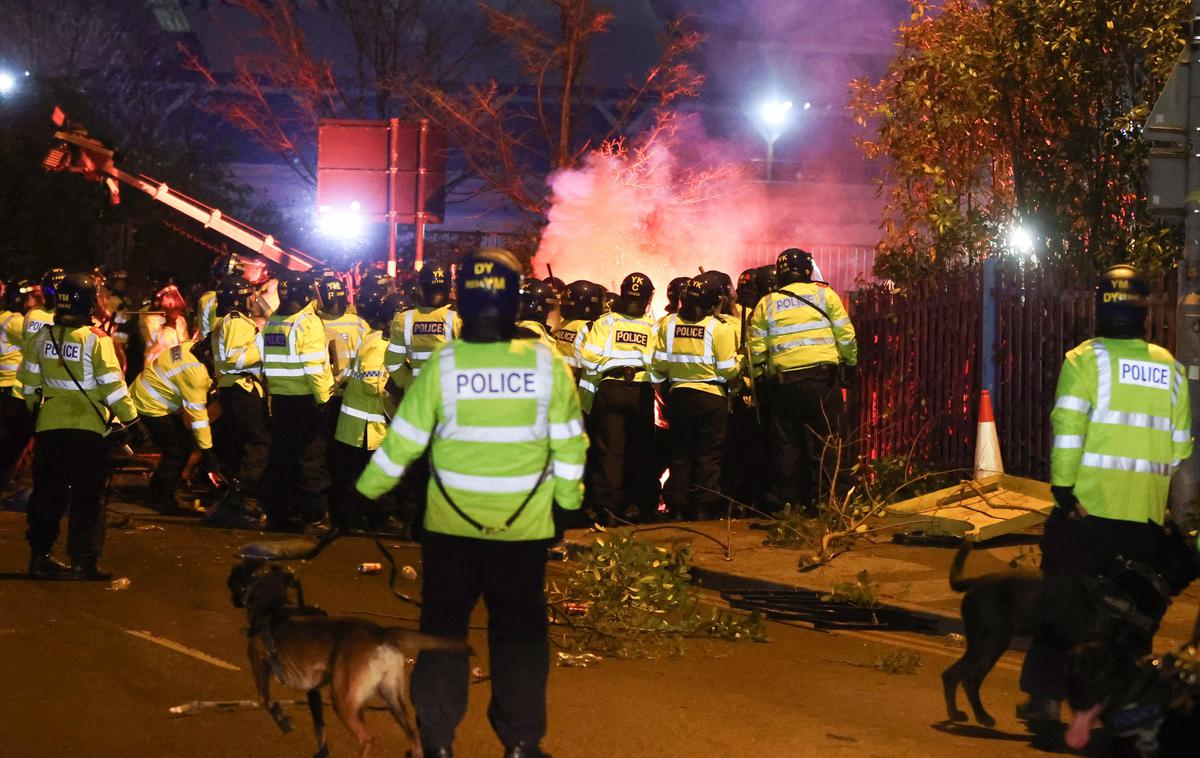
x,y
1122,607
306,649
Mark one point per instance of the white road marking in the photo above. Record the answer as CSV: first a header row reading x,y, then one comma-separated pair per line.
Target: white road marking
x,y
178,648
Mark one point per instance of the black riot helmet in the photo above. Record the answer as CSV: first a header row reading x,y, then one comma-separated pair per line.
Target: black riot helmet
x,y
296,289
583,301
16,294
50,282
724,285
378,308
435,285
332,298
224,266
75,299
1122,301
489,294
234,294
538,300
556,284
766,279
372,283
636,291
675,291
702,297
747,288
794,265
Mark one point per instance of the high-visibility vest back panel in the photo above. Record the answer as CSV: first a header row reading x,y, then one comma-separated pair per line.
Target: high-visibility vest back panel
x,y
176,381
75,370
699,355
366,406
295,355
12,335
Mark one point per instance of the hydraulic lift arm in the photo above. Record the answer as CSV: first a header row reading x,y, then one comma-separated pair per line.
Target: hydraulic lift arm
x,y
77,152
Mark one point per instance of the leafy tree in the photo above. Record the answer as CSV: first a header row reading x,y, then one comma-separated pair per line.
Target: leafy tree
x,y
1027,111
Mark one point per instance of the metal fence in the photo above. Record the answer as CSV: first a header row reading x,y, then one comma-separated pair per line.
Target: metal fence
x,y
920,351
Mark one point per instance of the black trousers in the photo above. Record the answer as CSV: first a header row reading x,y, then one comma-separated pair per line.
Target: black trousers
x,y
174,441
347,508
16,427
511,578
803,414
1082,547
698,423
746,471
622,420
295,485
70,468
246,442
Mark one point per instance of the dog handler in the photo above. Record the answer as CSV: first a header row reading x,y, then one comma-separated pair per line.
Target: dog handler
x,y
1122,425
507,441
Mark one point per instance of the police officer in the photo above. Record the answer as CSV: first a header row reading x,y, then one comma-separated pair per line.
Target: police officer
x,y
617,350
507,443
16,424
695,355
800,337
538,303
365,411
70,374
419,331
1122,424
245,441
171,397
344,332
299,383
42,312
583,303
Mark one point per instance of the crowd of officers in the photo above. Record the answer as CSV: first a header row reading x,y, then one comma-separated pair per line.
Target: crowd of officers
x,y
307,379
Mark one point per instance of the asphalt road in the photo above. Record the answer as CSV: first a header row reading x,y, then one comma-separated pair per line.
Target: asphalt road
x,y
88,671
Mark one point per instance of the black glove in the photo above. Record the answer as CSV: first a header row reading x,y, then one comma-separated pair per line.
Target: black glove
x,y
849,375
1064,500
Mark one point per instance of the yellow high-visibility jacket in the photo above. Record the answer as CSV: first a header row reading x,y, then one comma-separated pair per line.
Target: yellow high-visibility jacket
x,y
367,406
501,420
699,355
344,335
176,381
73,373
237,352
1122,425
295,356
414,335
12,335
616,341
787,334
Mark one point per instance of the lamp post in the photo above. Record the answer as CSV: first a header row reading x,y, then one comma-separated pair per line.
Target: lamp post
x,y
8,83
773,116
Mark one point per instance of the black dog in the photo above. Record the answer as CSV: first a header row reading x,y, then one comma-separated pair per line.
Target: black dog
x,y
1150,704
306,649
1124,606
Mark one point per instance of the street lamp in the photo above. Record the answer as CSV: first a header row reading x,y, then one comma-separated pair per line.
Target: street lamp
x,y
1021,240
8,83
773,116
346,225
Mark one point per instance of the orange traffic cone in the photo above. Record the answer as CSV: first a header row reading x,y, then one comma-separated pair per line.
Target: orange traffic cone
x,y
987,442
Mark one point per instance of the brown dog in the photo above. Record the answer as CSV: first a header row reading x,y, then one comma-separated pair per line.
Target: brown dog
x,y
306,649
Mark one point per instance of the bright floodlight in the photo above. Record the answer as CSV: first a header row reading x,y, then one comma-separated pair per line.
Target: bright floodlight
x,y
340,224
774,113
8,83
1021,240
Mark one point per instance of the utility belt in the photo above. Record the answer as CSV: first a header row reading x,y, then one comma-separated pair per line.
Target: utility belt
x,y
624,373
827,372
724,388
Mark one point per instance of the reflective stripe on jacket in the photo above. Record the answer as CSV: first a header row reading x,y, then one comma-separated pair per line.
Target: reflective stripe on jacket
x,y
237,352
344,333
496,413
414,335
700,355
207,306
80,390
786,334
295,356
12,335
618,341
1122,425
367,407
176,381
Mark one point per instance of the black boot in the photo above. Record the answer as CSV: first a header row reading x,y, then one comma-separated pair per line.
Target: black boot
x,y
45,566
434,752
523,750
88,571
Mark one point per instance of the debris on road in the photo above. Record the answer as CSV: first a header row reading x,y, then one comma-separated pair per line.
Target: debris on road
x,y
578,660
409,573
370,568
123,583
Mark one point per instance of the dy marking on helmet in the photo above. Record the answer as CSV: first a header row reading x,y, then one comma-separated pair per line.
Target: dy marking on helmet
x,y
1122,302
489,285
